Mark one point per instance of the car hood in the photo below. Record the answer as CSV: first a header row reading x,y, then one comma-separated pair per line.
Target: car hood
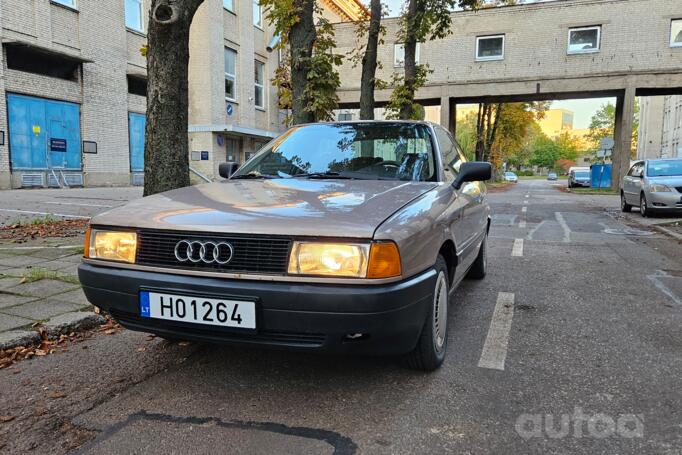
x,y
332,208
674,181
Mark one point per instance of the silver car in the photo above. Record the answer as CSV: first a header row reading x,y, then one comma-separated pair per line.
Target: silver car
x,y
653,185
340,237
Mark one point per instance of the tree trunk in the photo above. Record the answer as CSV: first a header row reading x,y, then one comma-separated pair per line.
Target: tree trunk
x,y
480,131
410,44
301,39
369,63
166,146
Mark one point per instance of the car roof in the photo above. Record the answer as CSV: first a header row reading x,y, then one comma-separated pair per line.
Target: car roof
x,y
346,122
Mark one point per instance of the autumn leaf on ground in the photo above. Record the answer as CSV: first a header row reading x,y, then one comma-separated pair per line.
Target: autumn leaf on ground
x,y
4,419
56,394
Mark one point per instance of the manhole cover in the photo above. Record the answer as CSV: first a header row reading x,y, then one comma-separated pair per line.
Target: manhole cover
x,y
627,231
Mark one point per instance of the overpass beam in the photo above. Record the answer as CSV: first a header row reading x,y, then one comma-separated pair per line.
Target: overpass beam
x,y
447,114
622,135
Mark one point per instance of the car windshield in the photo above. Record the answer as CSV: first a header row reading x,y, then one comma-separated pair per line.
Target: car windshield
x,y
664,168
582,175
367,151
510,174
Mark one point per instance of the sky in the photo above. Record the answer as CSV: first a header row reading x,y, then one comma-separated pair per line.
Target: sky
x,y
583,109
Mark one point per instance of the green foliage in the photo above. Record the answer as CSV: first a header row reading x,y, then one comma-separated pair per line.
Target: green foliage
x,y
322,78
603,123
401,95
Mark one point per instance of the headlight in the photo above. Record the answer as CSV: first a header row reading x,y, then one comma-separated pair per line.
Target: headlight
x,y
660,188
111,245
352,260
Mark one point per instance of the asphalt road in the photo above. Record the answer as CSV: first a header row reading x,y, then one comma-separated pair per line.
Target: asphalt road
x,y
572,344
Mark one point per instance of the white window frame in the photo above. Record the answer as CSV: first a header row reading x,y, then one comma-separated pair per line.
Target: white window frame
x,y
232,77
261,85
672,38
68,3
140,4
401,63
495,57
230,9
584,51
256,4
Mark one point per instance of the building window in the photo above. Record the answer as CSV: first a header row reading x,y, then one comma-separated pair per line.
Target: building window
x,y
490,47
676,33
345,117
137,85
37,61
134,15
230,74
584,39
399,55
257,14
228,5
259,84
69,3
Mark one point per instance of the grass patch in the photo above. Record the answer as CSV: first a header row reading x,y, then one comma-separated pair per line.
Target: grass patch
x,y
593,191
37,274
46,219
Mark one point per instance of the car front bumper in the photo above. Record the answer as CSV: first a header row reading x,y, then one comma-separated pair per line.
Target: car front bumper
x,y
298,316
665,201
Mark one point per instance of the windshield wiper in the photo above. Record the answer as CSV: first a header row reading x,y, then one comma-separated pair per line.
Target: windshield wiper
x,y
323,175
253,175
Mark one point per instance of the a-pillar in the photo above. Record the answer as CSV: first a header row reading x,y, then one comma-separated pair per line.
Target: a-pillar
x,y
447,114
622,136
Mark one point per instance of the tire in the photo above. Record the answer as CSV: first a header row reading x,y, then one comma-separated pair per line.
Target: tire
x,y
432,345
643,206
480,266
624,206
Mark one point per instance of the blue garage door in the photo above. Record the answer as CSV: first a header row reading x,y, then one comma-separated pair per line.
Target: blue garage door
x,y
43,134
136,125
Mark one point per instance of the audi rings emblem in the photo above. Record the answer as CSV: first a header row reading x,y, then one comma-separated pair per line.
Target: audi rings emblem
x,y
208,252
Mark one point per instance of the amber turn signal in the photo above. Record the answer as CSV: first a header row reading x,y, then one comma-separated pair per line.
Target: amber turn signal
x,y
86,248
384,260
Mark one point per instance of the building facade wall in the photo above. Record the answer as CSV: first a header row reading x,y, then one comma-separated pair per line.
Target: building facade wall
x,y
660,127
535,50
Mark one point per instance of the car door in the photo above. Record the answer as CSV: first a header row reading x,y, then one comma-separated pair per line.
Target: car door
x,y
461,217
632,183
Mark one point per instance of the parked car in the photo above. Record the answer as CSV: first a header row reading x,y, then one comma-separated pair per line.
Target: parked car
x,y
341,237
552,176
653,185
511,177
579,177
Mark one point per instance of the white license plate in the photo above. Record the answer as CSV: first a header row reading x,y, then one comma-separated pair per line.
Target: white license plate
x,y
198,310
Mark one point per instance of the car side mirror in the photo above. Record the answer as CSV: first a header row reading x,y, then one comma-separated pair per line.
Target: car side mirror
x,y
474,171
227,169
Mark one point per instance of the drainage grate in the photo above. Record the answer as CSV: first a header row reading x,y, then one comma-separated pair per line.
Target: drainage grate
x,y
53,181
73,179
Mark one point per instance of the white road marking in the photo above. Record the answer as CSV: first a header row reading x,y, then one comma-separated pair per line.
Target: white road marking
x,y
29,212
524,209
80,205
532,231
655,279
522,224
525,202
517,249
494,351
527,195
564,226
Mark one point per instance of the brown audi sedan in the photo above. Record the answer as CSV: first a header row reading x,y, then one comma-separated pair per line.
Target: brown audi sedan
x,y
339,237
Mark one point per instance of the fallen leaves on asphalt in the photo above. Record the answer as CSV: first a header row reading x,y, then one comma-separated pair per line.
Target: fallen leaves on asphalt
x,y
56,394
20,233
4,419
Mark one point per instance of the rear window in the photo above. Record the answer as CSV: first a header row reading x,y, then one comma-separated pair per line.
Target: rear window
x,y
664,168
582,175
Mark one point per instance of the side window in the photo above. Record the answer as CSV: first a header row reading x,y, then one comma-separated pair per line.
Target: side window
x,y
450,155
637,170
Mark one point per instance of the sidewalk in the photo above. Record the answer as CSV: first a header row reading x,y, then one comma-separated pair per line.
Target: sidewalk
x,y
39,287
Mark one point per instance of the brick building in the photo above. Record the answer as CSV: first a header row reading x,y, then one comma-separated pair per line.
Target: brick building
x,y
73,85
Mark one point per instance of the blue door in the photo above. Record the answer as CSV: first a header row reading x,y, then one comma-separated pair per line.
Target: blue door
x,y
136,125
43,134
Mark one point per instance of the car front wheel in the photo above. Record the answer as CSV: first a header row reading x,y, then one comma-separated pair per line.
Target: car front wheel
x,y
429,353
643,207
624,206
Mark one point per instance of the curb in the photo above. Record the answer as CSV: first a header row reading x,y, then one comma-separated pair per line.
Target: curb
x,y
667,231
66,323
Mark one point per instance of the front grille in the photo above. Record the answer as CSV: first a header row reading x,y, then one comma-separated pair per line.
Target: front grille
x,y
217,334
256,254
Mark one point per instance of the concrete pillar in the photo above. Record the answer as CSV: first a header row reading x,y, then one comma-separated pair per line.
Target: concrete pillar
x,y
447,118
625,112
